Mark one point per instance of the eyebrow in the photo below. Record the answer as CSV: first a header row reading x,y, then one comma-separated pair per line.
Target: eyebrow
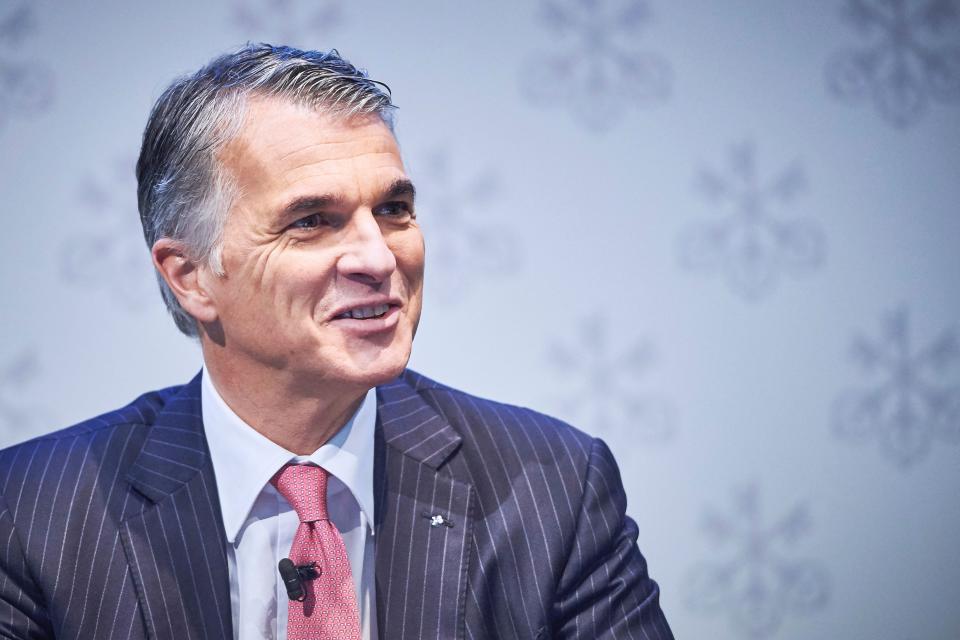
x,y
399,188
310,204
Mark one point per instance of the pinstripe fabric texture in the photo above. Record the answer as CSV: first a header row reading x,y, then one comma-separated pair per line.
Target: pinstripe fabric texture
x,y
112,528
539,546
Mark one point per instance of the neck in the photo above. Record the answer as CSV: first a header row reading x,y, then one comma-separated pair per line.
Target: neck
x,y
298,415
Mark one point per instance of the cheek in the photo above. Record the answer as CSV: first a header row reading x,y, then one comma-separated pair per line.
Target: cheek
x,y
302,284
409,252
281,280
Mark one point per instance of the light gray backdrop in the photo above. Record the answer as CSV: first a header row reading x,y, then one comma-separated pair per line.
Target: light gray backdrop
x,y
724,236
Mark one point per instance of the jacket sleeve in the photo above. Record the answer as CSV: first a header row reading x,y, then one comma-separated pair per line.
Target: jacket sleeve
x,y
22,613
605,591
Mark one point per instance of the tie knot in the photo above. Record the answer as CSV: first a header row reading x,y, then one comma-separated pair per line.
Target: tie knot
x,y
305,488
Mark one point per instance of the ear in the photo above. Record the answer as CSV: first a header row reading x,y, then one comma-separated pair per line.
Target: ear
x,y
184,277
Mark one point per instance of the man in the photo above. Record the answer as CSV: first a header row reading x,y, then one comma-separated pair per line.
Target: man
x,y
283,229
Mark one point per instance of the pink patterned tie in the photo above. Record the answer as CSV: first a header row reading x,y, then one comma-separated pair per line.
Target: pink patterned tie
x,y
330,609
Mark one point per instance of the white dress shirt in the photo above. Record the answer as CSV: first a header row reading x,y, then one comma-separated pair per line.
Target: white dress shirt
x,y
260,523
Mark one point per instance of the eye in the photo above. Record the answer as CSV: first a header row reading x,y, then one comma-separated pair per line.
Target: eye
x,y
309,222
399,210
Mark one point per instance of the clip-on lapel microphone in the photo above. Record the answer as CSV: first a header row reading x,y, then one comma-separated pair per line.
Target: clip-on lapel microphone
x,y
294,575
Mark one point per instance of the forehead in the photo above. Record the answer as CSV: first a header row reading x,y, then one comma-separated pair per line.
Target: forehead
x,y
282,145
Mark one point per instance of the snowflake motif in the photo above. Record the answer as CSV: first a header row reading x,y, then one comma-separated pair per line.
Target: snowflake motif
x,y
291,22
598,72
751,245
906,404
754,580
461,245
605,385
16,376
26,87
904,69
110,252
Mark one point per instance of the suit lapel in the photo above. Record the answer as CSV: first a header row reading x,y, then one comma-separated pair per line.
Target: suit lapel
x,y
175,543
423,519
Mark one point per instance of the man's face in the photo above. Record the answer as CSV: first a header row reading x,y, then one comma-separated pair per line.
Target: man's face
x,y
323,258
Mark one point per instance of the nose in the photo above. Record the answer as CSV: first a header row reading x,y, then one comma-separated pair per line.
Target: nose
x,y
367,257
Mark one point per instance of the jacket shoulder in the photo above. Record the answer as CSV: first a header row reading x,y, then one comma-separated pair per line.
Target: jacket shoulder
x,y
103,440
515,431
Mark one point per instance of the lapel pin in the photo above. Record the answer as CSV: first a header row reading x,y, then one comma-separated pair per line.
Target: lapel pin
x,y
437,520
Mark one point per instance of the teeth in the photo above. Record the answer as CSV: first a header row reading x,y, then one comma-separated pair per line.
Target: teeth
x,y
361,313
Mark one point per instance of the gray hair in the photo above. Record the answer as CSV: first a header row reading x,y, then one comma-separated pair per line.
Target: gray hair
x,y
183,192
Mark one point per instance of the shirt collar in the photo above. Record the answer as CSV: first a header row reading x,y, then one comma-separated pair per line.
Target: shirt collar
x,y
244,460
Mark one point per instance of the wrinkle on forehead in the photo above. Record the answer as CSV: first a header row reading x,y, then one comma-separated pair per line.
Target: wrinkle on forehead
x,y
377,140
379,170
282,143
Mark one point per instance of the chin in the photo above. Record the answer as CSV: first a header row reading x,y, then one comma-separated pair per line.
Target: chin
x,y
385,375
379,368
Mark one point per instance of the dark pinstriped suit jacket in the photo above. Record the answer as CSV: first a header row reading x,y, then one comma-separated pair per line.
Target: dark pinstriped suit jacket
x,y
112,528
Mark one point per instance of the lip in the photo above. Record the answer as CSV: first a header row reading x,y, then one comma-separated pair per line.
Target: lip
x,y
366,302
371,325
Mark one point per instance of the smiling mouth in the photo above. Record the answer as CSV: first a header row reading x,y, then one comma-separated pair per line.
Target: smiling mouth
x,y
364,313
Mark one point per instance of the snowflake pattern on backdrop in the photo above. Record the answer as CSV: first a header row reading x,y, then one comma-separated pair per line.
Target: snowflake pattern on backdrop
x,y
464,243
16,376
109,252
913,60
907,402
752,576
598,72
751,245
26,86
292,22
602,385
